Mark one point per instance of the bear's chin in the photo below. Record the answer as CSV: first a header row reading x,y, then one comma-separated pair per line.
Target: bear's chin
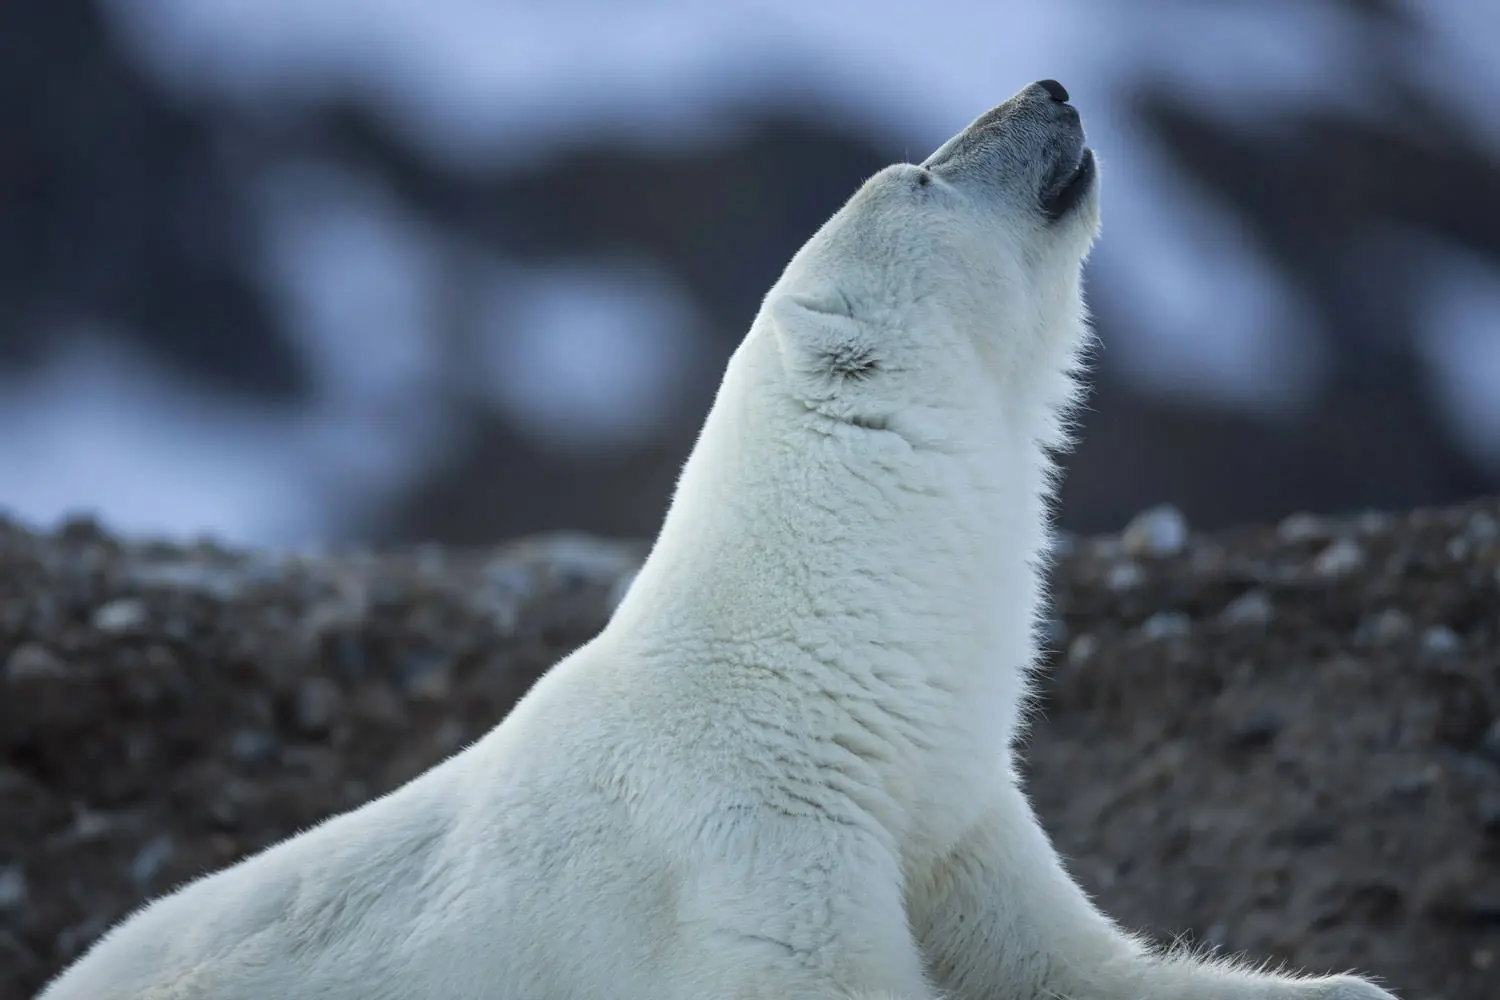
x,y
1069,192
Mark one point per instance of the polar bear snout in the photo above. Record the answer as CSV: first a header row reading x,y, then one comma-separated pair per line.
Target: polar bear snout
x,y
1032,110
1031,146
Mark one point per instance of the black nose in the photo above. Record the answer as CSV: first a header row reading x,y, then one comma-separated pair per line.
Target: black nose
x,y
1055,90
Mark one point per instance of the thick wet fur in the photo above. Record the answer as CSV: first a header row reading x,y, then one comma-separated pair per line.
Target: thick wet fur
x,y
784,768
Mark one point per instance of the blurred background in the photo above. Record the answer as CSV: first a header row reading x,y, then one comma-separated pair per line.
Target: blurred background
x,y
296,272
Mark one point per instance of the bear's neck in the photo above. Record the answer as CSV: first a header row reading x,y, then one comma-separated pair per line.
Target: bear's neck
x,y
843,550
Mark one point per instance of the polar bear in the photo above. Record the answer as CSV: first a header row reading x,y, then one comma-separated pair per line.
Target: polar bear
x,y
784,768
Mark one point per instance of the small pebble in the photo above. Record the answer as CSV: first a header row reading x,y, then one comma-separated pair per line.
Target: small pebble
x,y
1124,576
378,704
1157,531
317,703
1415,785
1339,559
1489,743
510,578
1482,529
349,654
32,660
1302,528
224,846
430,560
1487,811
250,746
151,858
1166,624
225,812
1104,547
13,892
1304,834
1255,731
1440,640
1474,767
1207,559
1386,627
120,615
1253,607
431,684
1082,649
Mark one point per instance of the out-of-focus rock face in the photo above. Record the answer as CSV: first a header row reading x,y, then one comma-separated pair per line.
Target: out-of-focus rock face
x,y
1278,739
126,210
134,211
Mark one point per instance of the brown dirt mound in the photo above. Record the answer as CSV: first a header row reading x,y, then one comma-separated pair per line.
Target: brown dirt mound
x,y
1281,740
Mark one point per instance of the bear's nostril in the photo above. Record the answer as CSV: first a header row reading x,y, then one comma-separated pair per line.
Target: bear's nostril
x,y
1055,90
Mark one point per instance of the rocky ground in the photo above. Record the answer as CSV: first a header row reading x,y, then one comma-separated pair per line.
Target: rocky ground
x,y
1283,740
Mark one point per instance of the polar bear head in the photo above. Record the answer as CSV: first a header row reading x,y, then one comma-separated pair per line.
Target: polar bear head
x,y
950,284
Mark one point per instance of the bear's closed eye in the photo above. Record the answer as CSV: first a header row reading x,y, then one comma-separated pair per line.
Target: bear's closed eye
x,y
854,362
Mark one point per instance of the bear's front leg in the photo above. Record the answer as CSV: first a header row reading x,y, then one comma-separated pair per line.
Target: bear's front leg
x,y
775,907
1001,917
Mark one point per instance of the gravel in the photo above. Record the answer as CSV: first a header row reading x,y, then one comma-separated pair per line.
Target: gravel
x,y
1284,739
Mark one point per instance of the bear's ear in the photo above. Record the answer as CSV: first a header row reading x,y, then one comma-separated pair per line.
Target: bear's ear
x,y
821,340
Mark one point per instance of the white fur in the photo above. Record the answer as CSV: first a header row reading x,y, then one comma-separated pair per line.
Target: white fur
x,y
783,770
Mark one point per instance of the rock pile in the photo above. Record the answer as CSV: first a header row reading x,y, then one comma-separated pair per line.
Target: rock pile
x,y
1281,739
